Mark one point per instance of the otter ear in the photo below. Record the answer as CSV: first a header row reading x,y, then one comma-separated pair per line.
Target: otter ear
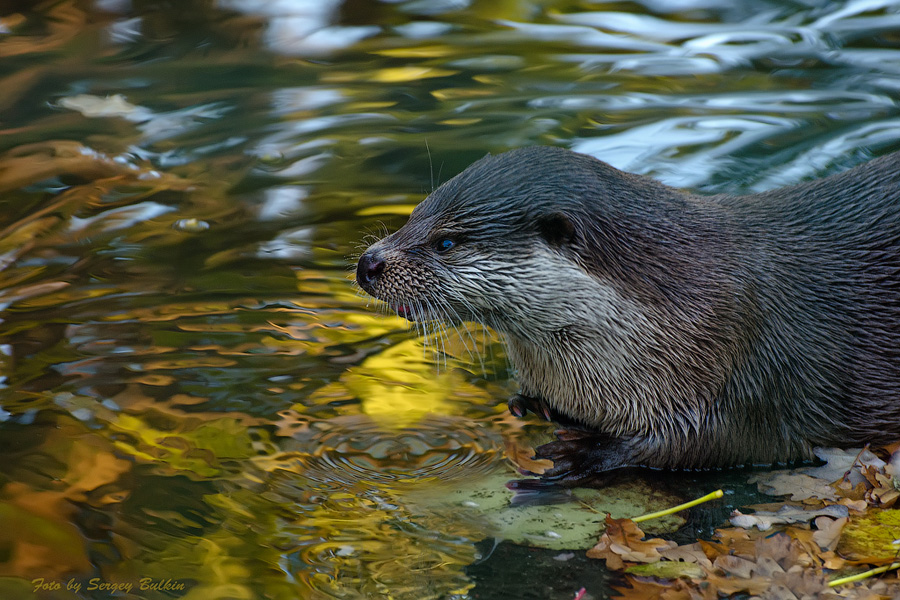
x,y
557,228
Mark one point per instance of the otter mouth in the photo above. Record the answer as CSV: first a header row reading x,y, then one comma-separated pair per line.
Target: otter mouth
x,y
405,311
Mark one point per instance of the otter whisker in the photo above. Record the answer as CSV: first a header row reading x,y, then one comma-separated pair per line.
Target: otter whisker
x,y
424,323
430,334
438,330
430,164
456,319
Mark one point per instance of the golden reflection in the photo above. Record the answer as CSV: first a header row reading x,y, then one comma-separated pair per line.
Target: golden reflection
x,y
489,80
199,447
362,556
405,74
386,209
355,529
460,121
432,51
402,384
461,93
367,106
388,75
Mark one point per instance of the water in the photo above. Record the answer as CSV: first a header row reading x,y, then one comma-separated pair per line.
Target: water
x,y
195,395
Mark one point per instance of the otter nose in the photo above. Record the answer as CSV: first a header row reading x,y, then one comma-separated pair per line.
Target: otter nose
x,y
368,270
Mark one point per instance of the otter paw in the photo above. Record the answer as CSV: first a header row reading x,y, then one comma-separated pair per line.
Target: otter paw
x,y
580,459
520,405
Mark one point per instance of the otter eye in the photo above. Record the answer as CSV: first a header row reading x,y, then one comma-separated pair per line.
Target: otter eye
x,y
444,244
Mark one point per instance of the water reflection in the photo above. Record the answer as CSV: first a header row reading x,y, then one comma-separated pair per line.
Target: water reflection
x,y
192,388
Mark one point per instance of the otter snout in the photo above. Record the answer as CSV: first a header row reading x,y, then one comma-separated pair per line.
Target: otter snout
x,y
369,269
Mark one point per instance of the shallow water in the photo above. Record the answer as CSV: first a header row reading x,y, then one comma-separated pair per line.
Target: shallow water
x,y
194,391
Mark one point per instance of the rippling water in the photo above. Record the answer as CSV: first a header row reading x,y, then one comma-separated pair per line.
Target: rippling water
x,y
193,390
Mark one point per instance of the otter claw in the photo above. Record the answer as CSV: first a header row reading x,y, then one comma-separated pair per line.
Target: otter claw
x,y
520,405
517,407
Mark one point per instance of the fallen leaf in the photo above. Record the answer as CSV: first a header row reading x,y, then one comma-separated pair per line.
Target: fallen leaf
x,y
691,553
787,514
832,561
646,588
623,541
799,486
828,531
857,505
734,565
523,457
841,463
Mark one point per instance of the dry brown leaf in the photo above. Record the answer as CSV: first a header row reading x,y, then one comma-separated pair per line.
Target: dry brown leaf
x,y
741,542
887,498
646,588
692,553
871,475
831,561
799,584
775,557
623,541
794,563
798,485
735,566
889,448
522,457
729,585
876,486
828,531
854,492
857,505
764,520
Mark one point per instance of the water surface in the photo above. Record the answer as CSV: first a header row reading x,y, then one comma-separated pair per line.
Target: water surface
x,y
193,390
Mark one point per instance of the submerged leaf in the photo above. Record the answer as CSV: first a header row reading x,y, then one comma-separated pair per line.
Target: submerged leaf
x,y
667,569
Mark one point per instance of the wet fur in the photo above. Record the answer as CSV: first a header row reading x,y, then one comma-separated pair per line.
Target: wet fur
x,y
678,331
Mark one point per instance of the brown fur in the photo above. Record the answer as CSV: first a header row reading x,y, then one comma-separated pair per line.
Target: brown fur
x,y
675,330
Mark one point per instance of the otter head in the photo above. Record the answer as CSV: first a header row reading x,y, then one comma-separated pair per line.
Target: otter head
x,y
484,247
593,274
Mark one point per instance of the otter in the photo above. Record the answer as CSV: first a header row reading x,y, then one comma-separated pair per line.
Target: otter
x,y
666,329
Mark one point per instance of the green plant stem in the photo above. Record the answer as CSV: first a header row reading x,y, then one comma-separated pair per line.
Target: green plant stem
x,y
714,495
863,575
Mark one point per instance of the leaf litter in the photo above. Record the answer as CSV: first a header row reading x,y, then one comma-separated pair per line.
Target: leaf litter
x,y
840,520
